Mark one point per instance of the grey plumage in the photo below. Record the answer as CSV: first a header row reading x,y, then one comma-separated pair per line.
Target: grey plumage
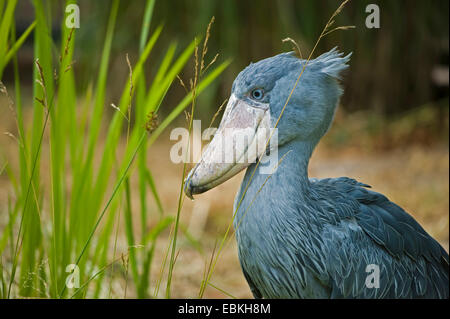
x,y
320,247
308,238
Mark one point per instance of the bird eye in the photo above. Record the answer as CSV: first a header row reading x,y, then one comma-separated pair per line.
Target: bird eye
x,y
257,94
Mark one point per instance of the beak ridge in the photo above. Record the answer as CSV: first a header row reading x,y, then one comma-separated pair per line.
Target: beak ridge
x,y
236,144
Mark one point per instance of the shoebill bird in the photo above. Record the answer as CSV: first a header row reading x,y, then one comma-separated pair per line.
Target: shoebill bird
x,y
300,237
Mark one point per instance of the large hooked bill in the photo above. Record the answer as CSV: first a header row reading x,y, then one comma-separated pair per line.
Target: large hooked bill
x,y
244,136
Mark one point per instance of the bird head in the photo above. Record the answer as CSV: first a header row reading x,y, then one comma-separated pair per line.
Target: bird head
x,y
265,98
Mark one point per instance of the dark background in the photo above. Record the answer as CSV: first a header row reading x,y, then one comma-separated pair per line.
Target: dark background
x,y
399,67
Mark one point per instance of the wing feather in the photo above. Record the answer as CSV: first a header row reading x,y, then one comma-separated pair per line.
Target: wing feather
x,y
412,263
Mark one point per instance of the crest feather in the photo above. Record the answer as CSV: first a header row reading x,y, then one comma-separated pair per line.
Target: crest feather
x,y
332,62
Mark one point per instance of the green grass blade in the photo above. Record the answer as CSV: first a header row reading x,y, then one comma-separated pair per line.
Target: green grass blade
x,y
29,235
5,25
146,24
116,126
18,44
151,183
129,231
185,102
99,219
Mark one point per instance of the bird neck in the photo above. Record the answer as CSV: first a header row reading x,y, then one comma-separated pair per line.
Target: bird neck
x,y
293,161
288,173
281,190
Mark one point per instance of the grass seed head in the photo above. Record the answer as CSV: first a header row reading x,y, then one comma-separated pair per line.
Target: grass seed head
x,y
152,122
